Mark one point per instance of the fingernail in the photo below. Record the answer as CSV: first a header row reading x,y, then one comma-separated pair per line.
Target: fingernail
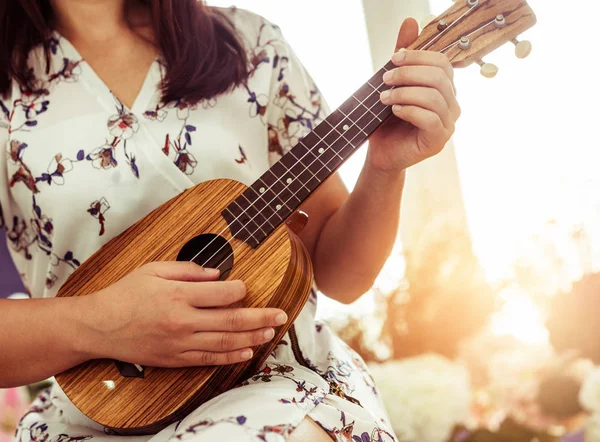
x,y
212,272
281,319
385,96
246,354
387,77
269,334
396,108
399,56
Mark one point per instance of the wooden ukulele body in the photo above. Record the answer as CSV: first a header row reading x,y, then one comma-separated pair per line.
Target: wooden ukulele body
x,y
278,274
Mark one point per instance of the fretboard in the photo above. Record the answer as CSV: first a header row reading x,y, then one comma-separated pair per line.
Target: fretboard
x,y
288,183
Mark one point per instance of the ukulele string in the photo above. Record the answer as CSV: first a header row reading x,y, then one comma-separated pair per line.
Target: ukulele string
x,y
449,47
286,185
317,159
450,26
267,219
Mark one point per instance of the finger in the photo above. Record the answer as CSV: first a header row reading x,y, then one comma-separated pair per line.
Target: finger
x,y
212,294
423,119
424,97
181,271
409,31
227,341
424,58
194,358
426,76
239,319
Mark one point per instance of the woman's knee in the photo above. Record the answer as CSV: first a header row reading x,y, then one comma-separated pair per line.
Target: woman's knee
x,y
308,430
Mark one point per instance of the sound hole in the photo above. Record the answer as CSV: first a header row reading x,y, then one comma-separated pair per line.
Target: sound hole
x,y
211,251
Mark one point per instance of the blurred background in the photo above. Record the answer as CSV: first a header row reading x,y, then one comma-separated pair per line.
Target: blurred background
x,y
482,325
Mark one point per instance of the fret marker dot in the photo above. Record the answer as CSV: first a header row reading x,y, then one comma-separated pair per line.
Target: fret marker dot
x,y
321,150
278,206
289,181
346,127
262,190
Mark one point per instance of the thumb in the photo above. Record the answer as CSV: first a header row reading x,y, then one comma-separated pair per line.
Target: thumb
x,y
409,31
181,271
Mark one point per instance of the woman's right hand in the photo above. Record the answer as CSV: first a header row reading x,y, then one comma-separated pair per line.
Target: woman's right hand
x,y
162,315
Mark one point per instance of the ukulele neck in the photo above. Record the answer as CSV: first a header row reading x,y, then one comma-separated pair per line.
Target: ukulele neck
x,y
274,197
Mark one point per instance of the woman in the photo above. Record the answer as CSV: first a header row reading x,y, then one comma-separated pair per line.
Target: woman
x,y
112,107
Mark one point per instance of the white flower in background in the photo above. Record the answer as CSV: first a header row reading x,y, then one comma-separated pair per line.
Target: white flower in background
x,y
592,428
589,396
425,396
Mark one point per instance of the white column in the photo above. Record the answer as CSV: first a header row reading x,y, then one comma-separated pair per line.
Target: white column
x,y
432,206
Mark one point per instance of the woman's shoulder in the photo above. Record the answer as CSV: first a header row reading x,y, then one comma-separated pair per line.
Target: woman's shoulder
x,y
251,27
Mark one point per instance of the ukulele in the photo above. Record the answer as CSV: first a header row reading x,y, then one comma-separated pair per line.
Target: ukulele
x,y
242,231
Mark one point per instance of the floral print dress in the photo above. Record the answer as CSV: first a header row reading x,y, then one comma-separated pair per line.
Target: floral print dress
x,y
79,167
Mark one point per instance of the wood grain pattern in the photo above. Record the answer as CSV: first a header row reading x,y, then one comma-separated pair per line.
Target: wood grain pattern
x,y
464,21
277,274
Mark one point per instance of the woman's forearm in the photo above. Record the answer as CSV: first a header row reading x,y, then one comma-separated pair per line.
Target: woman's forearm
x,y
356,241
40,338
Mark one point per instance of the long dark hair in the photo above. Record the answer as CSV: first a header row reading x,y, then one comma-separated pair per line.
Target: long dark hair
x,y
204,56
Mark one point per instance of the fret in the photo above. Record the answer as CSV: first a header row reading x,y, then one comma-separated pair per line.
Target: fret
x,y
297,187
309,177
348,128
310,140
289,161
359,112
271,199
280,186
257,212
311,154
304,171
374,89
241,226
335,118
328,156
252,194
368,109
254,215
364,92
334,132
374,100
276,194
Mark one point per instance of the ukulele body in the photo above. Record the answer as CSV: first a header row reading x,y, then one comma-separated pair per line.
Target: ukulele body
x,y
278,273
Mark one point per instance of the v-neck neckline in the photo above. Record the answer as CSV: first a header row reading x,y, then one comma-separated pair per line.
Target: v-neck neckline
x,y
109,99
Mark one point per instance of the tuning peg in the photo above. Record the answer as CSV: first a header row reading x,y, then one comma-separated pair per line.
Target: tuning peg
x,y
488,70
522,48
427,19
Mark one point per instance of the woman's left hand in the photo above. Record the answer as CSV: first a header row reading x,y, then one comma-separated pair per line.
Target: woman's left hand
x,y
424,106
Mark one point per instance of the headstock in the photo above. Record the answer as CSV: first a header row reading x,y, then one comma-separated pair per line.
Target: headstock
x,y
471,29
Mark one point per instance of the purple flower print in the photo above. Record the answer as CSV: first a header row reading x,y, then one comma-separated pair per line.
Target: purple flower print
x,y
57,167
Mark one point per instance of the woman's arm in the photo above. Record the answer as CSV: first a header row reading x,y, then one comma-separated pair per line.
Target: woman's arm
x,y
160,315
350,237
350,243
41,337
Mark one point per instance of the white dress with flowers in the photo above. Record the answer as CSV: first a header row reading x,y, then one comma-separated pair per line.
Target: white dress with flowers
x,y
79,167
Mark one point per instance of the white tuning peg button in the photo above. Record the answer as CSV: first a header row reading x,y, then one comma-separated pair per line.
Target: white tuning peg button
x,y
427,19
522,48
488,70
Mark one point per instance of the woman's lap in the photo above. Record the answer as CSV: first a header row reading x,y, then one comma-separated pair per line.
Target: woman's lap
x,y
268,407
